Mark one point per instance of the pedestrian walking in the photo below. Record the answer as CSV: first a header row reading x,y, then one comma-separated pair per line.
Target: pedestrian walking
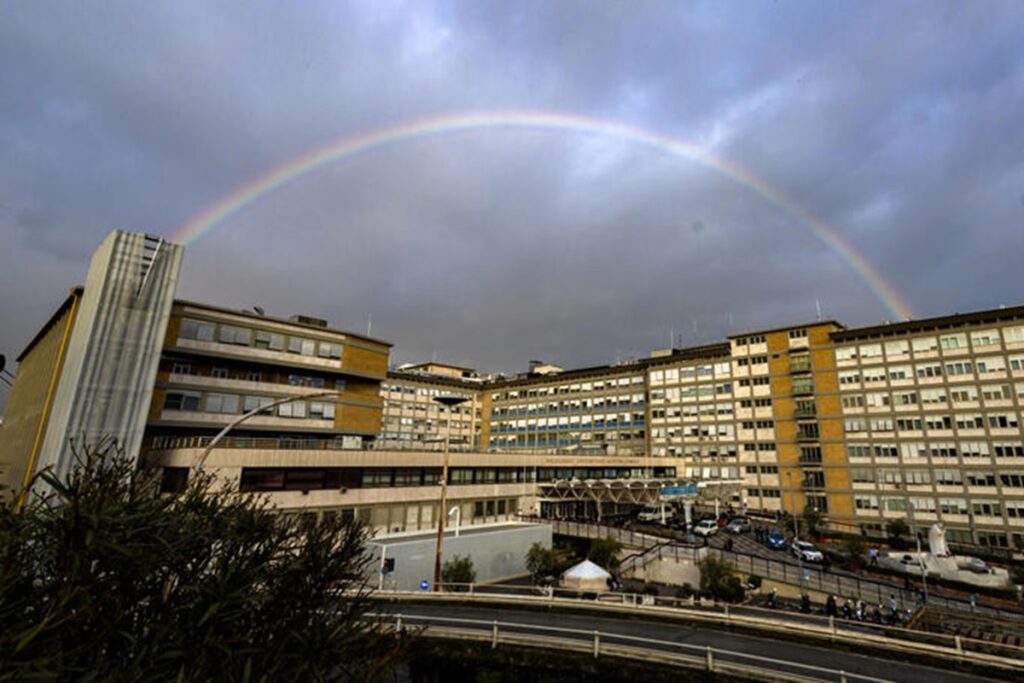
x,y
873,557
974,601
830,606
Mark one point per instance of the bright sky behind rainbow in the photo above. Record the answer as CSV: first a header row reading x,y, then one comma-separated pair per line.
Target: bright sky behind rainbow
x,y
350,146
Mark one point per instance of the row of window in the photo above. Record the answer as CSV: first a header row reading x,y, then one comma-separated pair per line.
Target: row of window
x,y
920,451
947,506
599,385
979,339
925,371
941,477
232,404
201,330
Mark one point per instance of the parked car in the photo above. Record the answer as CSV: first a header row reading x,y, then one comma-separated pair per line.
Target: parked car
x,y
807,552
738,525
652,513
776,540
706,527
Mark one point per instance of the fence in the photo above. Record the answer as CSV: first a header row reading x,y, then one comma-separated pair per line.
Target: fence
x,y
774,621
813,577
598,642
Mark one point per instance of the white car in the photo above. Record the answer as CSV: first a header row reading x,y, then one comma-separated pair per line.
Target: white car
x,y
807,552
707,527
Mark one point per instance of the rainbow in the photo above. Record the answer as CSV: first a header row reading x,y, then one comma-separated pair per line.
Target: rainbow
x,y
347,147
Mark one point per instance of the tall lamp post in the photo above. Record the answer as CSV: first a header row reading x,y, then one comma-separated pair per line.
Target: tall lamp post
x,y
920,557
796,531
450,402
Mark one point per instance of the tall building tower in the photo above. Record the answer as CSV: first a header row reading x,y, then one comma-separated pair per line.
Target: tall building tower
x,y
89,373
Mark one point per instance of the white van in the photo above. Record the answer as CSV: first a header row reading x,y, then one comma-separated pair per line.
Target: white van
x,y
653,513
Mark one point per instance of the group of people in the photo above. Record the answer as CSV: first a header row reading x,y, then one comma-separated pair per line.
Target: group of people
x,y
861,611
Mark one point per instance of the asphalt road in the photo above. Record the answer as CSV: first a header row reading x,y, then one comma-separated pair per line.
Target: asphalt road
x,y
781,651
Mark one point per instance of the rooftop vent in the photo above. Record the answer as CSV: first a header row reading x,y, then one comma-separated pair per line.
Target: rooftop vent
x,y
308,320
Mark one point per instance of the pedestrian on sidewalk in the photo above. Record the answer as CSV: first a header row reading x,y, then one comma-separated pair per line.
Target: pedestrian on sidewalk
x,y
974,601
873,557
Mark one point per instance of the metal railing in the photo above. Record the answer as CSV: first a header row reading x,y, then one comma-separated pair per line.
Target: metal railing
x,y
847,585
774,621
597,642
815,578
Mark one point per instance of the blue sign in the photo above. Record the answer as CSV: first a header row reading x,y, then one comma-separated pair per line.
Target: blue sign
x,y
678,491
424,585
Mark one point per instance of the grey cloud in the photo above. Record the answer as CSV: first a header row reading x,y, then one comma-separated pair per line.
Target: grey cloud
x,y
897,124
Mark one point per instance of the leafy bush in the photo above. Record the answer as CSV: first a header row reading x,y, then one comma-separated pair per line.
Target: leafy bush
x,y
540,561
605,553
102,579
718,580
458,570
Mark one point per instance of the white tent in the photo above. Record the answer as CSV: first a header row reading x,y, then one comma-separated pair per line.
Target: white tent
x,y
586,576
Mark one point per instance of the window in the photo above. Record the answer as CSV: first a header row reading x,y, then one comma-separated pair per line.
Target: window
x,y
953,341
306,381
846,353
871,351
895,349
182,401
924,344
221,403
305,347
234,335
798,334
985,338
196,329
329,350
254,376
219,372
251,403
181,369
991,364
269,340
324,411
296,409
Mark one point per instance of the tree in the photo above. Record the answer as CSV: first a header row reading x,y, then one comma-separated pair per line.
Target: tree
x,y
458,570
104,579
540,561
856,547
718,579
812,520
605,553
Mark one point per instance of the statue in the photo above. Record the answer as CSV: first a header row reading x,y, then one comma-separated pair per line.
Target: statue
x,y
937,541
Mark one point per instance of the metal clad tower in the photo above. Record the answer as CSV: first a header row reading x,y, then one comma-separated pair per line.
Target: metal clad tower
x,y
106,382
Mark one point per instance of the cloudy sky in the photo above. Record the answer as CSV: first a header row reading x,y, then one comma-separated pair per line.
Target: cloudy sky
x,y
900,125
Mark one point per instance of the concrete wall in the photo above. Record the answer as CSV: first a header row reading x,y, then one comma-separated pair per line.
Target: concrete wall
x,y
497,552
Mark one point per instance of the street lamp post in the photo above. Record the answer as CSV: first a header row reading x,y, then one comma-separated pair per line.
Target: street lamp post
x,y
920,557
450,402
796,531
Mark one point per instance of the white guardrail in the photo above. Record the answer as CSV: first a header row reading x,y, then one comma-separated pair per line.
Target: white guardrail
x,y
859,634
708,658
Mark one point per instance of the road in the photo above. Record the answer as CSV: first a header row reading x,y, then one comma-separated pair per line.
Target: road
x,y
780,651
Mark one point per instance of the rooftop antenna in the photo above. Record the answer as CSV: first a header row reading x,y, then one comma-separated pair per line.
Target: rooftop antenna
x,y
369,323
671,337
817,305
730,322
695,332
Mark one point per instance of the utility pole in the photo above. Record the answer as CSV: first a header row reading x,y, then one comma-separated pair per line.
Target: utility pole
x,y
450,402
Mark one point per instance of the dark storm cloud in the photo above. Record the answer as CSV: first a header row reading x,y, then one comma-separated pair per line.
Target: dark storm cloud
x,y
898,124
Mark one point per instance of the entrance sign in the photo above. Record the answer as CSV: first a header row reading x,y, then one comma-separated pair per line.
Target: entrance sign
x,y
678,492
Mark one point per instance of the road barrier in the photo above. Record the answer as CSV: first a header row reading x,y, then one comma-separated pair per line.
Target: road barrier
x,y
621,645
775,622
